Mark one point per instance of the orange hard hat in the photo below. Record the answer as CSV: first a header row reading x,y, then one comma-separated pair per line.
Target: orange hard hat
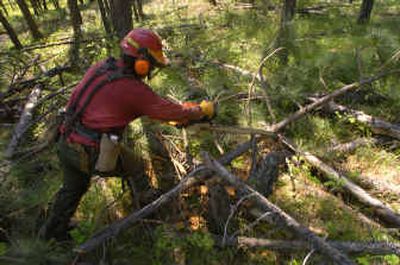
x,y
139,39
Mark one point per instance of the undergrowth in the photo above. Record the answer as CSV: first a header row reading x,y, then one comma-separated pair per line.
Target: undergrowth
x,y
326,52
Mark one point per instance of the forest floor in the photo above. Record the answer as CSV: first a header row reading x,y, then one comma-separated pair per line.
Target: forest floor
x,y
323,52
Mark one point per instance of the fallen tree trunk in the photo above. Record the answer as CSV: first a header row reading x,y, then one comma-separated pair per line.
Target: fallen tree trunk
x,y
351,248
189,180
316,104
234,129
377,125
384,212
325,99
351,146
313,240
24,120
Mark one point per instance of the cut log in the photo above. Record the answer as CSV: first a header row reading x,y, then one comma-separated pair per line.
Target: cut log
x,y
189,180
266,172
312,239
351,248
377,125
24,120
385,213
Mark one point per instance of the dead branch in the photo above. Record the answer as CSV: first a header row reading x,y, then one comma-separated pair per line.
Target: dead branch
x,y
234,129
352,145
353,248
19,86
189,180
377,125
24,121
58,43
313,240
384,212
322,101
56,93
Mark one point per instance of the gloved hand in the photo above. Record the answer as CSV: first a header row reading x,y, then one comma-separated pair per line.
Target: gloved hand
x,y
208,109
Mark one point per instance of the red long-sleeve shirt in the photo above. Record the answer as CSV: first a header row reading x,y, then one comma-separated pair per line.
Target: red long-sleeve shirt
x,y
121,101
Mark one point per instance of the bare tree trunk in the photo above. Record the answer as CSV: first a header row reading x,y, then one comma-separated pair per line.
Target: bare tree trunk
x,y
37,8
10,31
3,7
121,17
365,11
139,8
56,4
104,17
384,212
284,38
76,21
377,125
350,247
288,10
29,19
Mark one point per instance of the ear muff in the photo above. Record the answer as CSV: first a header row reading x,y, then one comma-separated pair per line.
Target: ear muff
x,y
142,67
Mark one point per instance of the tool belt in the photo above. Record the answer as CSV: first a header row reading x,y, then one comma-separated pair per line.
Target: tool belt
x,y
87,132
109,147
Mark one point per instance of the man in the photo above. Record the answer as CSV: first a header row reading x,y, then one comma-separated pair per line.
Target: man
x,y
110,95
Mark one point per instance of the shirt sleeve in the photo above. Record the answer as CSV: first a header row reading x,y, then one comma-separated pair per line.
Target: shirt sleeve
x,y
158,108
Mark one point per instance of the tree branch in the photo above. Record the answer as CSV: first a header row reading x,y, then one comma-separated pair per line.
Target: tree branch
x,y
313,240
381,210
189,180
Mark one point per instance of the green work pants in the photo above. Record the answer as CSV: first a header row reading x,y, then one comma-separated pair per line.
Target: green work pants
x,y
77,162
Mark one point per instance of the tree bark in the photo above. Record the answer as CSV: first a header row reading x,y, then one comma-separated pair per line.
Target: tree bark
x,y
353,145
322,101
37,8
10,31
121,17
377,125
76,21
3,7
104,17
56,4
189,180
365,11
384,212
138,9
288,10
29,19
285,36
315,242
349,247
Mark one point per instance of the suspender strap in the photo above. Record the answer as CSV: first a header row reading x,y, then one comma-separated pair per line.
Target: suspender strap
x,y
73,115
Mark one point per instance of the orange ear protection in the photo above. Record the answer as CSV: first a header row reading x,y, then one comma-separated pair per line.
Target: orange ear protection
x,y
142,64
142,67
